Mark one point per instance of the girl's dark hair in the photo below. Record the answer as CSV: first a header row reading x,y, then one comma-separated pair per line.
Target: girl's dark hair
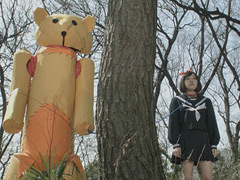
x,y
183,88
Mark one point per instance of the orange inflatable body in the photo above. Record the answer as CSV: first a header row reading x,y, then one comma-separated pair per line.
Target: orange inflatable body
x,y
59,96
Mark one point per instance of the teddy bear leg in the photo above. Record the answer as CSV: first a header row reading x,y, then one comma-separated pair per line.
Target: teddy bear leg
x,y
12,172
72,174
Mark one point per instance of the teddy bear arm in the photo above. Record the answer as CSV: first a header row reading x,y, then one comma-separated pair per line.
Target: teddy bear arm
x,y
83,116
13,119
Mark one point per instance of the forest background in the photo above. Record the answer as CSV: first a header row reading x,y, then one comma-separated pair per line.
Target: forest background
x,y
202,34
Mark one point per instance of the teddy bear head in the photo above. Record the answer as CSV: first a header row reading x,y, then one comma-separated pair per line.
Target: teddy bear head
x,y
64,30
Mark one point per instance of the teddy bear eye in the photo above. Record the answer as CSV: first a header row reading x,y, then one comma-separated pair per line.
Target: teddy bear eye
x,y
74,22
55,20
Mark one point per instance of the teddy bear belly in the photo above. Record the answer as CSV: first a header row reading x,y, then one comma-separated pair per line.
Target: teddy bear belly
x,y
53,82
48,130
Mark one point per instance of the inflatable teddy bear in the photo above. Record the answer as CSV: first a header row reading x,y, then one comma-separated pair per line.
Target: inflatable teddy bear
x,y
57,91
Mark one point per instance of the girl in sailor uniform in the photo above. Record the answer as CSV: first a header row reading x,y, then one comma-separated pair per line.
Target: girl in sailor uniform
x,y
193,129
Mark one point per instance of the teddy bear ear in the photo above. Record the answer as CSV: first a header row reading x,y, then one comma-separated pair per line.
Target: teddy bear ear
x,y
89,22
39,15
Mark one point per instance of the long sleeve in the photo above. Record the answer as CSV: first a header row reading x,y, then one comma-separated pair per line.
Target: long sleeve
x,y
173,126
212,125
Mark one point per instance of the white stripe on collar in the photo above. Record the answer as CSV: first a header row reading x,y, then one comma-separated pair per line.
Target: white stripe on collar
x,y
201,101
183,100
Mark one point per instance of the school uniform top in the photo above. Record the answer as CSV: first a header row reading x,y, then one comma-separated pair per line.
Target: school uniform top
x,y
192,114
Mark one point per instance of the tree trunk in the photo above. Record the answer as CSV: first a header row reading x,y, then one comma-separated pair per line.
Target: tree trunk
x,y
127,138
4,101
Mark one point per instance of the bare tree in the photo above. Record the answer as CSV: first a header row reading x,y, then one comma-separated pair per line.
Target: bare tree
x,y
232,124
214,14
203,11
15,24
127,139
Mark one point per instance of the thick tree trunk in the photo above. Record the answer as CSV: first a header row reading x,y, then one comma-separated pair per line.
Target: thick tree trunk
x,y
126,132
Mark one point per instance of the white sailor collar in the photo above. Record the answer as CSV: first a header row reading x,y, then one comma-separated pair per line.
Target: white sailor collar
x,y
190,107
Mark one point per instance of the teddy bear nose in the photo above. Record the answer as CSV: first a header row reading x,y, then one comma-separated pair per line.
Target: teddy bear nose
x,y
63,33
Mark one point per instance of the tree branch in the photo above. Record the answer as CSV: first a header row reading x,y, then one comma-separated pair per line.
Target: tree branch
x,y
213,15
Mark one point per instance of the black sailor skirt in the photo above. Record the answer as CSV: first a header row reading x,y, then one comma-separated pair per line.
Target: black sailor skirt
x,y
195,146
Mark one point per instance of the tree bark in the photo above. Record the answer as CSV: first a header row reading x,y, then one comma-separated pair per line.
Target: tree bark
x,y
126,133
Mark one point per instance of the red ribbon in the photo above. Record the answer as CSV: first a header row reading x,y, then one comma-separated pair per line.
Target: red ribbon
x,y
182,73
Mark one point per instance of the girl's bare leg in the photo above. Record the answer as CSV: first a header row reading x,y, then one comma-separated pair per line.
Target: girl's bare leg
x,y
206,170
187,170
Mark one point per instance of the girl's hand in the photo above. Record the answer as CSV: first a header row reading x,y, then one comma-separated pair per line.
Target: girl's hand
x,y
177,152
214,152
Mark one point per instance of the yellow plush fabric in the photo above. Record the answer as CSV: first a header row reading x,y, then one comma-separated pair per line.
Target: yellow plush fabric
x,y
57,91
